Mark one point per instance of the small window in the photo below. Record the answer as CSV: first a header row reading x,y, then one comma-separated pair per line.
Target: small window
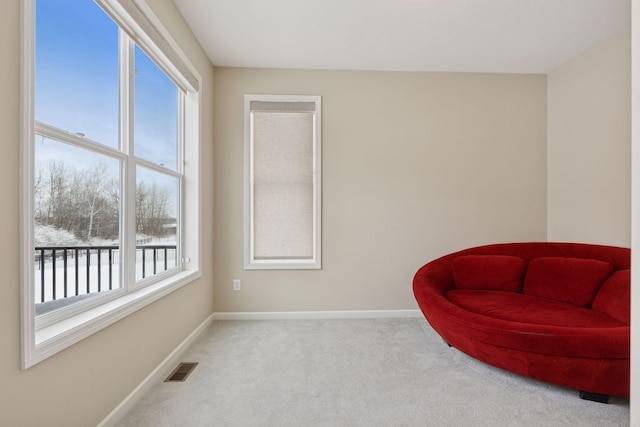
x,y
282,161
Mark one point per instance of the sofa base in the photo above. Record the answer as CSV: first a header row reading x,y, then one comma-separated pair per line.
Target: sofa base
x,y
605,377
585,395
594,397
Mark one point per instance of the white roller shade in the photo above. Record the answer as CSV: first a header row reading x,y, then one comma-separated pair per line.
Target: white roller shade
x,y
283,185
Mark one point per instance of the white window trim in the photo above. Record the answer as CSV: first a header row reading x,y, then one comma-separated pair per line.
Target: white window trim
x,y
250,262
43,338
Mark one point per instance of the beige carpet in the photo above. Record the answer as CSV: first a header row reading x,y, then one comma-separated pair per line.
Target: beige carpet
x,y
374,372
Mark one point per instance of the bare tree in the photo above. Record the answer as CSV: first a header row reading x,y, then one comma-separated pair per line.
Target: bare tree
x,y
57,180
95,194
86,202
152,209
38,193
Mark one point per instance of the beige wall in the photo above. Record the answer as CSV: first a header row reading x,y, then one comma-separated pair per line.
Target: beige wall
x,y
415,165
81,385
589,143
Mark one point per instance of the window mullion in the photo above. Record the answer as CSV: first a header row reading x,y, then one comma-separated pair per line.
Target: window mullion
x,y
180,130
128,168
156,168
180,166
52,132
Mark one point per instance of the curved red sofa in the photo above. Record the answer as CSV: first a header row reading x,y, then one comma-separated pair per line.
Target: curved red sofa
x,y
556,312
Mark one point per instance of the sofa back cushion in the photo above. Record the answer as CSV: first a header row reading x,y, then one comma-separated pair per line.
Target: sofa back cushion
x,y
571,280
489,272
614,297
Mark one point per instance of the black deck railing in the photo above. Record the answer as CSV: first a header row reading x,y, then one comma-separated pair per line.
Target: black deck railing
x,y
74,271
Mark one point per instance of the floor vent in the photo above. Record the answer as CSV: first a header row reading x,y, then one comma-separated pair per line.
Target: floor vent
x,y
181,372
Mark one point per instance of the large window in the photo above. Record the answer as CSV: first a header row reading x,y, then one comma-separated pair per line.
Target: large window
x,y
110,123
282,208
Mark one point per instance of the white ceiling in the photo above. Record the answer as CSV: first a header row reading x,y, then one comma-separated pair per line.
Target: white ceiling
x,y
507,36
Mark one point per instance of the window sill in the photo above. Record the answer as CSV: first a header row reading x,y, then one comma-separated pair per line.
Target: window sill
x,y
56,337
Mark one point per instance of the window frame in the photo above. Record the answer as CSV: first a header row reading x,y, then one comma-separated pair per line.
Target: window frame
x,y
250,261
45,335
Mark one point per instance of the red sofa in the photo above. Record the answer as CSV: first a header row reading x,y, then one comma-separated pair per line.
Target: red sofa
x,y
556,312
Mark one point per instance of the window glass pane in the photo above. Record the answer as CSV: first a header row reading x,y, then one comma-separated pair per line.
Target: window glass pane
x,y
283,185
155,113
76,72
156,222
76,224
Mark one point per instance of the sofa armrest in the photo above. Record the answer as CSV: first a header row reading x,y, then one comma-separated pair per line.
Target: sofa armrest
x,y
614,297
436,275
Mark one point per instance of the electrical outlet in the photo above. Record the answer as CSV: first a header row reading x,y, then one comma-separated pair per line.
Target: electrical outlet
x,y
236,284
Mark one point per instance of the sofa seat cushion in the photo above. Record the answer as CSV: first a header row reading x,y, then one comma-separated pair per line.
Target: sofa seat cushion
x,y
535,324
494,272
572,280
528,309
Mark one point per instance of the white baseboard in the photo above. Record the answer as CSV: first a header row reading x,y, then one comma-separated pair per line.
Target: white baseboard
x,y
157,375
346,314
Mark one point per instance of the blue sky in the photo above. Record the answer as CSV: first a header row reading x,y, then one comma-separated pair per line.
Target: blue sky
x,y
76,84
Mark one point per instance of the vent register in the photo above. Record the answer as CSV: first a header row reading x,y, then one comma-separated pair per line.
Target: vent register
x,y
181,373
